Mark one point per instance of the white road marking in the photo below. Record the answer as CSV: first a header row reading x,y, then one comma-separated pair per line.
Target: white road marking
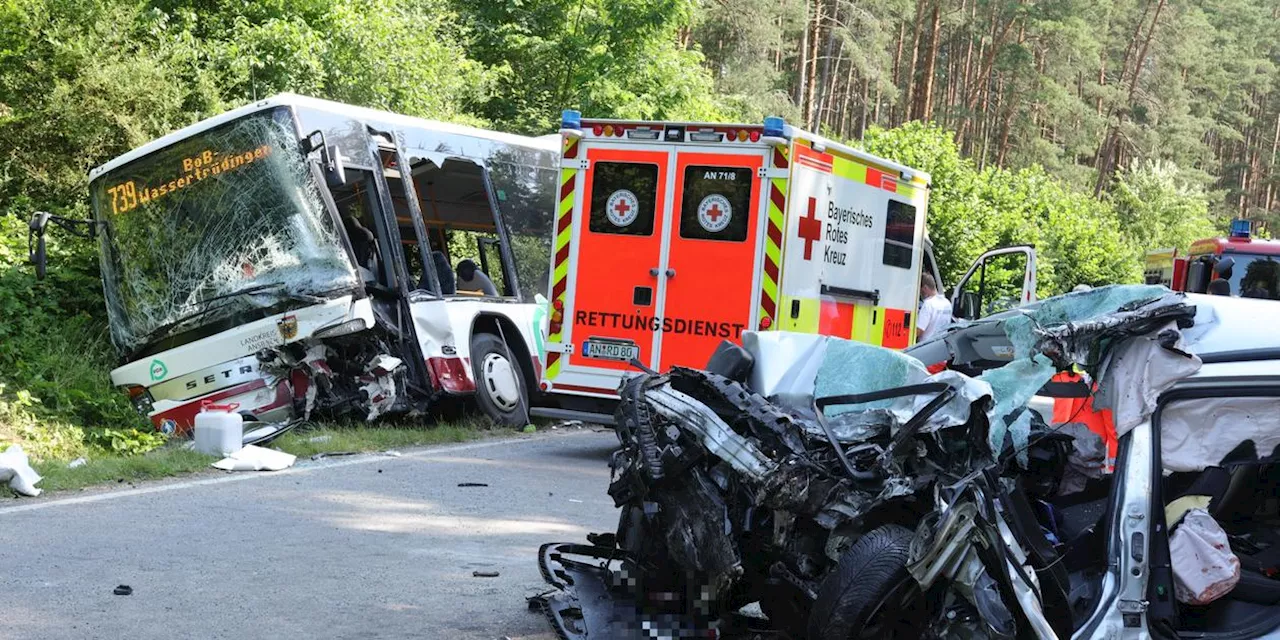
x,y
259,475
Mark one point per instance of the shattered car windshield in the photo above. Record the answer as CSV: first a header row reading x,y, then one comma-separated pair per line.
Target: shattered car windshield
x,y
231,209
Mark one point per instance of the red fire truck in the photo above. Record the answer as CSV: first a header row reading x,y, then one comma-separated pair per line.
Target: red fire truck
x,y
1250,267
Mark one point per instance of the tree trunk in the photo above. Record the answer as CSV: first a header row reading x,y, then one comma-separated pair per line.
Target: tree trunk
x,y
825,82
866,90
923,105
814,37
915,57
802,64
1109,146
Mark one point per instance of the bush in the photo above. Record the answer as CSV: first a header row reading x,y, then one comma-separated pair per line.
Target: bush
x,y
1078,239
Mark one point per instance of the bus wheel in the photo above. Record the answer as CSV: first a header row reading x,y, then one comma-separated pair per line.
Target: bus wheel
x,y
500,388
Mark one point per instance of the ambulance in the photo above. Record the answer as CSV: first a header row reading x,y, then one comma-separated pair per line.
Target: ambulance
x,y
671,237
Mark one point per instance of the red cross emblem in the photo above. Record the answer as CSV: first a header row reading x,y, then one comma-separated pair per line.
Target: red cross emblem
x,y
622,208
714,212
810,228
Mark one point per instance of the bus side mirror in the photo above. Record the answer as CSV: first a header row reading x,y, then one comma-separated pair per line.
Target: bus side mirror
x,y
335,170
36,252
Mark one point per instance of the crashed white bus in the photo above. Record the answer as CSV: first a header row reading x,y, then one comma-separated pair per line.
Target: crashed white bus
x,y
295,256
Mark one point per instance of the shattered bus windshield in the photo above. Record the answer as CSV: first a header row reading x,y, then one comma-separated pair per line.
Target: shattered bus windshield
x,y
223,227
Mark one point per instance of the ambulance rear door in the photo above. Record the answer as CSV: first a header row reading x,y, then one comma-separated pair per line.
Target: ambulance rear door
x,y
664,253
611,313
712,263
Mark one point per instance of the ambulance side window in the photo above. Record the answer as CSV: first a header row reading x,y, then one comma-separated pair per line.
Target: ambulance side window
x,y
716,203
899,234
623,198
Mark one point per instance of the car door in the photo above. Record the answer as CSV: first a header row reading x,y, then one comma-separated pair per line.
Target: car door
x,y
999,280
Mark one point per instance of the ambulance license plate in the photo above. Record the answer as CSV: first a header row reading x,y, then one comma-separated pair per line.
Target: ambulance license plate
x,y
622,350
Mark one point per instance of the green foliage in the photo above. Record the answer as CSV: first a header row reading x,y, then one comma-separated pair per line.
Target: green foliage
x,y
608,58
1078,239
126,441
1158,208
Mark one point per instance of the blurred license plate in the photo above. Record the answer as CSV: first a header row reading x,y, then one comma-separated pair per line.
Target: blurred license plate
x,y
611,350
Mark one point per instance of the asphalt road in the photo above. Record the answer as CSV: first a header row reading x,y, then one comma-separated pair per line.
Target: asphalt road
x,y
369,547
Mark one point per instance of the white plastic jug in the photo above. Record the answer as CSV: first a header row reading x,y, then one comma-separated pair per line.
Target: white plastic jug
x,y
219,429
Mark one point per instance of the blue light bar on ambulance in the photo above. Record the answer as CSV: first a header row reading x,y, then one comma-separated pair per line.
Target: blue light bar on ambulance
x,y
775,127
571,119
643,133
571,124
1240,228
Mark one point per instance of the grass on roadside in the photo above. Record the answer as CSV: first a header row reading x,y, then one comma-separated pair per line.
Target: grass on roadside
x,y
176,459
362,437
113,469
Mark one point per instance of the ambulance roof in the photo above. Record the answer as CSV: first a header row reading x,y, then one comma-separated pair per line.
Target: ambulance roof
x,y
821,143
548,142
792,133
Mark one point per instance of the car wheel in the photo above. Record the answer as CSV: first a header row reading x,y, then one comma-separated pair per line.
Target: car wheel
x,y
500,387
870,594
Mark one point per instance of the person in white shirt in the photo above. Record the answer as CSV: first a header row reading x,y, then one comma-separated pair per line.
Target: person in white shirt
x,y
935,311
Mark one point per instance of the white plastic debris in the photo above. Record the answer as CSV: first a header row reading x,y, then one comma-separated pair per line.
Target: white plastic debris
x,y
17,472
78,462
1204,568
254,458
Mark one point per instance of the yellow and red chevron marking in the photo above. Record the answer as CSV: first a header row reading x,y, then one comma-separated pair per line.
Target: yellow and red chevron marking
x,y
773,241
560,266
570,147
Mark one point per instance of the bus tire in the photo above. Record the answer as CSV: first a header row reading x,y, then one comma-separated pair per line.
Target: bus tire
x,y
501,391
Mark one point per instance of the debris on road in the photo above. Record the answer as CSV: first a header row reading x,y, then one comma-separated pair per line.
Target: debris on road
x,y
16,471
823,463
472,484
528,428
123,590
484,574
255,458
334,454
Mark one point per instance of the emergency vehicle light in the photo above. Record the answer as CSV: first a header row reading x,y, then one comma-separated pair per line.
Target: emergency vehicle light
x,y
642,134
1240,228
705,135
571,119
775,127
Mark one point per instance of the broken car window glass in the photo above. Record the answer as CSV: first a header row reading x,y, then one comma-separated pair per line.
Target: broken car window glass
x,y
231,209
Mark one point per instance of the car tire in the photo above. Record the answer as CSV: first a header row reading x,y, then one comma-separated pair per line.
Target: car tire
x,y
861,589
501,391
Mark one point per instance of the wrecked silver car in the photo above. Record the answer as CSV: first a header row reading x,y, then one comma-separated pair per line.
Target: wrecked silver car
x,y
850,493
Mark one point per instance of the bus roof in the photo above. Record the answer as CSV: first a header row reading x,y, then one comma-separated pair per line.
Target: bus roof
x,y
547,142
